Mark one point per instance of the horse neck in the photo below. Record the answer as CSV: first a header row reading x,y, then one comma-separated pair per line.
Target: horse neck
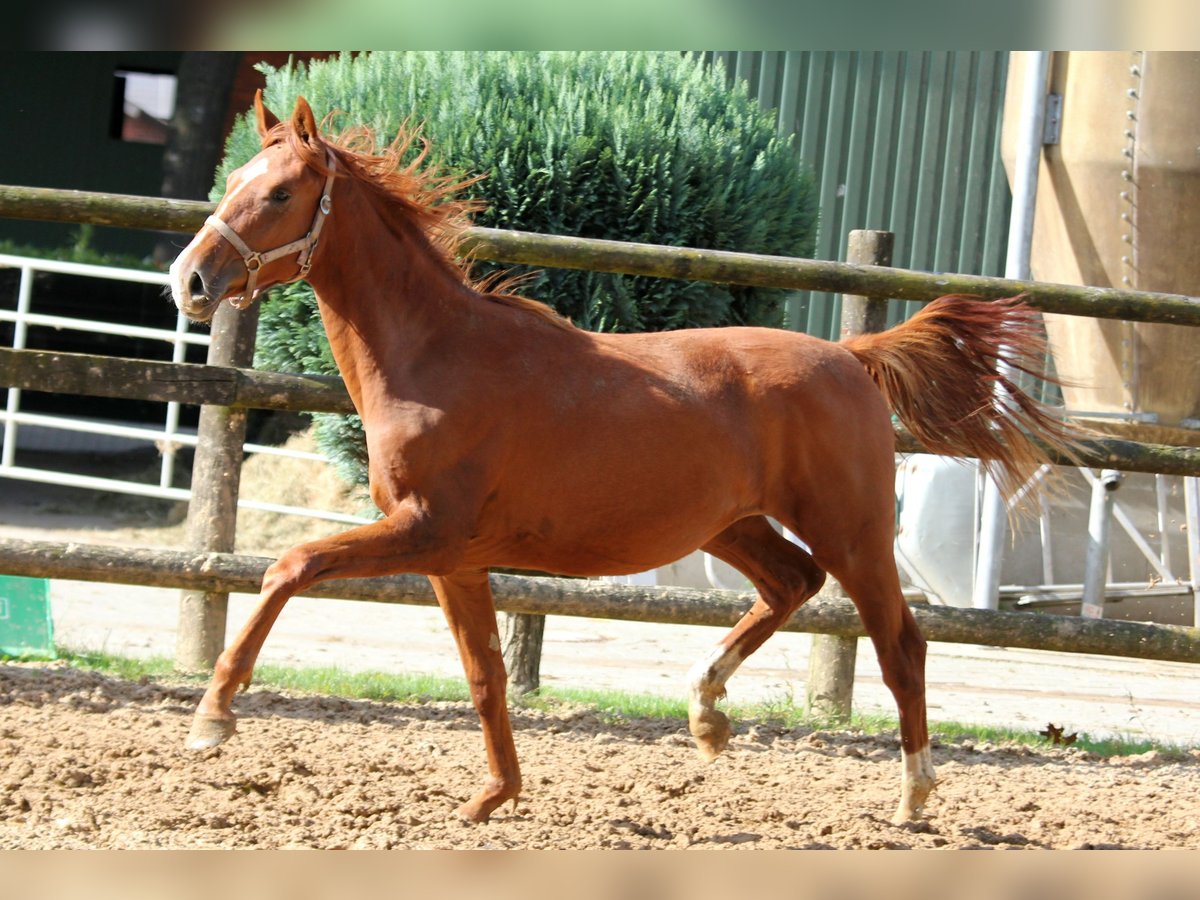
x,y
385,295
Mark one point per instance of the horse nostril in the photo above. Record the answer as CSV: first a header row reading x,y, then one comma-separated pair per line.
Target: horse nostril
x,y
196,284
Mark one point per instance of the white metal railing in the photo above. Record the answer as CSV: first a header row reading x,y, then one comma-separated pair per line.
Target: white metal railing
x,y
168,439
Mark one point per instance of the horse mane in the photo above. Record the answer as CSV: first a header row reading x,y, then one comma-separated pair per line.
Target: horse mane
x,y
427,195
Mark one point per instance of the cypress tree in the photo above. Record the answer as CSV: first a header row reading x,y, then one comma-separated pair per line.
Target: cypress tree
x,y
632,146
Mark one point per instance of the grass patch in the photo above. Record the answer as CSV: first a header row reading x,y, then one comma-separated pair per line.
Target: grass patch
x,y
956,733
363,685
610,706
157,667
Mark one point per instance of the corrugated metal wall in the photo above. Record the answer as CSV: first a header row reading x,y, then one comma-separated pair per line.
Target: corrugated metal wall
x,y
907,142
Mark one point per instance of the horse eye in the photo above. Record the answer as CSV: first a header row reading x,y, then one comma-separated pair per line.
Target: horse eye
x,y
280,196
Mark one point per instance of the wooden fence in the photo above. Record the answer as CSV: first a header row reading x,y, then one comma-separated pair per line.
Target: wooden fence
x,y
240,388
650,259
824,614
231,387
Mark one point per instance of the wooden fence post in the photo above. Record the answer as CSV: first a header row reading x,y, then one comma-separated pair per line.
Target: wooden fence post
x,y
830,688
522,645
216,476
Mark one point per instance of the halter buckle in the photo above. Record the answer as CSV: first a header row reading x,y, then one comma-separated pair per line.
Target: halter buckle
x,y
304,259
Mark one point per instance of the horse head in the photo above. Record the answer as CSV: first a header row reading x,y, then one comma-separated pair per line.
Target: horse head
x,y
265,229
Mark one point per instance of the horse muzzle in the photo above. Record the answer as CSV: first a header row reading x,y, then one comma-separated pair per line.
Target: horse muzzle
x,y
196,294
199,306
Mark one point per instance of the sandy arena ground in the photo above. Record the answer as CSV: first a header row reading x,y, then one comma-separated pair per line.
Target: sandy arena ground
x,y
91,761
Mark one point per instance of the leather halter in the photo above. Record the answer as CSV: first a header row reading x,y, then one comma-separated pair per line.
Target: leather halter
x,y
304,246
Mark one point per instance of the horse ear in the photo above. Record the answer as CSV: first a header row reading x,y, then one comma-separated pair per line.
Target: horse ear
x,y
303,121
265,118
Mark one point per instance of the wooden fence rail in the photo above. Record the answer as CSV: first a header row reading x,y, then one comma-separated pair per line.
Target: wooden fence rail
x,y
141,379
594,599
138,379
650,259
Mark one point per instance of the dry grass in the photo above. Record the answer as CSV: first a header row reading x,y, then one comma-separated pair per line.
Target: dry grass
x,y
56,512
293,482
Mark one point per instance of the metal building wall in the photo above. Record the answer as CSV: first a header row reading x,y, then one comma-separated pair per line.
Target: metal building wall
x,y
907,142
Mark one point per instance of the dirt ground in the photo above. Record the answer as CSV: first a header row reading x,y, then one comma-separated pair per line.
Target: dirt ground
x,y
89,761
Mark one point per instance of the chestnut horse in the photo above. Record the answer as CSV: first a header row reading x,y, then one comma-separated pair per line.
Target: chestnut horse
x,y
501,435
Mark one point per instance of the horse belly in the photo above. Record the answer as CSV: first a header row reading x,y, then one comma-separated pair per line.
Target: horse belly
x,y
602,515
586,554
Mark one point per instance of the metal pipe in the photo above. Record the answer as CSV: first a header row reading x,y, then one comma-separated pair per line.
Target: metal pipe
x,y
1130,529
171,427
8,453
140,489
994,517
1161,500
88,270
1046,531
1191,499
1099,525
96,326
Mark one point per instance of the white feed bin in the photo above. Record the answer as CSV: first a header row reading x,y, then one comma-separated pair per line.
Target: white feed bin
x,y
1118,205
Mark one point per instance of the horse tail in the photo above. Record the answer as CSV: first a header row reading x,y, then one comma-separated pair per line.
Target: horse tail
x,y
948,374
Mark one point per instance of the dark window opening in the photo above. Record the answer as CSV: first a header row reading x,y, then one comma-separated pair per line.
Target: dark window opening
x,y
143,104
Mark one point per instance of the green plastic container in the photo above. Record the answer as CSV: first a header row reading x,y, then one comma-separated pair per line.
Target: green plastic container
x,y
26,627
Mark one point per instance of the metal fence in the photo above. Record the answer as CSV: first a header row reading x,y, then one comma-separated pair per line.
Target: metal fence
x,y
41,431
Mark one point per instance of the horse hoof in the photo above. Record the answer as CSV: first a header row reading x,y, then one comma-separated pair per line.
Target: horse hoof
x,y
472,813
712,732
912,804
904,816
209,731
479,808
916,785
710,751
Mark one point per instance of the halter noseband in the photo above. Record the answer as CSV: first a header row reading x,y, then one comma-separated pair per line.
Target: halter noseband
x,y
304,246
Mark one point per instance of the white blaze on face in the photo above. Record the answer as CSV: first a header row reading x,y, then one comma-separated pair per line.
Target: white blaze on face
x,y
244,176
182,265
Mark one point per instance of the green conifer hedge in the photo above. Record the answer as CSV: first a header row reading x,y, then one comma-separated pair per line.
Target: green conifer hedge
x,y
633,146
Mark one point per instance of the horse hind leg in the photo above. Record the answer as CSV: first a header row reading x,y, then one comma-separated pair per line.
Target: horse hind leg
x,y
873,585
784,576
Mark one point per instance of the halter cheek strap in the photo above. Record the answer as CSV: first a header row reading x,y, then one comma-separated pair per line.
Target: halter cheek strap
x,y
302,247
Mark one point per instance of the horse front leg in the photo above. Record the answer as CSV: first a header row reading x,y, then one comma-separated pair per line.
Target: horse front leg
x,y
466,601
399,543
